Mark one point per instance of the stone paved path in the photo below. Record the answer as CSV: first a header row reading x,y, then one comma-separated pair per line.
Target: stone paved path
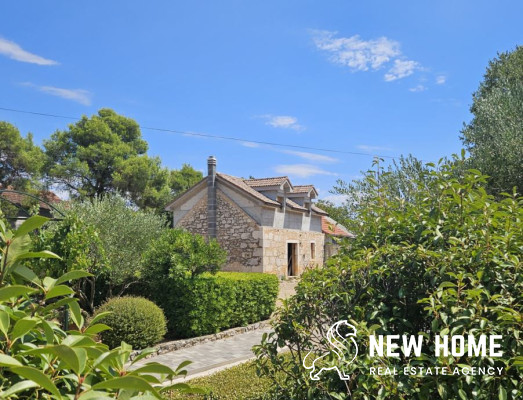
x,y
287,289
212,355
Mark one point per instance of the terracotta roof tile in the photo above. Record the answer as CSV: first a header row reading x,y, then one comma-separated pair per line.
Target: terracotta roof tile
x,y
240,183
295,205
19,198
331,227
302,188
249,185
318,210
261,182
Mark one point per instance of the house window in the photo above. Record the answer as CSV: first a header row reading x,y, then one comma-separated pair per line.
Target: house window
x,y
313,251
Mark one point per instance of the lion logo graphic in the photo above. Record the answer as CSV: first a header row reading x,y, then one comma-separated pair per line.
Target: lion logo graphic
x,y
340,345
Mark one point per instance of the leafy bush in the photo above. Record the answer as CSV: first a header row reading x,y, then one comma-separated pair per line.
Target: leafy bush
x,y
105,237
133,320
210,303
80,248
41,360
177,254
445,260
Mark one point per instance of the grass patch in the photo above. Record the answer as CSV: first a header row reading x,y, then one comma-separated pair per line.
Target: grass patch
x,y
236,383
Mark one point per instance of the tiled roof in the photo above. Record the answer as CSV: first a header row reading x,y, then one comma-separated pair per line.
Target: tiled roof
x,y
243,184
295,205
318,210
331,227
249,186
261,182
240,183
302,188
19,198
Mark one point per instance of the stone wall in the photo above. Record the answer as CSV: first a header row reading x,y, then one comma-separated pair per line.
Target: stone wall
x,y
275,249
195,221
237,233
252,248
240,235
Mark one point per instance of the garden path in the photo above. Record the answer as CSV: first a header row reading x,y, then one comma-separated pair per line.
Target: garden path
x,y
212,356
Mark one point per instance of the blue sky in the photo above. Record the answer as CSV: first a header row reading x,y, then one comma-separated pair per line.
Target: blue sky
x,y
386,77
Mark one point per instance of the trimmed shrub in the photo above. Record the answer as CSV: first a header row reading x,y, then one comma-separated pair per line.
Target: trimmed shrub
x,y
209,303
133,320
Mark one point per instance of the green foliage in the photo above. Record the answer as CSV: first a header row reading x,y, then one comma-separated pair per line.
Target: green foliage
x,y
85,157
20,160
106,154
240,382
109,237
177,253
403,178
38,358
133,320
182,179
81,249
210,303
494,136
338,213
144,181
447,261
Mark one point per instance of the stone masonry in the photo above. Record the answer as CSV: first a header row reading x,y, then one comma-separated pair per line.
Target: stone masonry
x,y
265,224
275,249
195,221
237,233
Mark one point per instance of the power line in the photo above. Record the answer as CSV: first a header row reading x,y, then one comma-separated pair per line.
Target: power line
x,y
220,137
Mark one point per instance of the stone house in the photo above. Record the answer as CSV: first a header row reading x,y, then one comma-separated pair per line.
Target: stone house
x,y
266,225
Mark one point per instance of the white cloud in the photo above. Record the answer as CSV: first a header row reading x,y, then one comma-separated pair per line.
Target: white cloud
x,y
362,55
418,88
441,79
311,156
283,121
353,52
301,170
367,147
15,52
401,69
79,95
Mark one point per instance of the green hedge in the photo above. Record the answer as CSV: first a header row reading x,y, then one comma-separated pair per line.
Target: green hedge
x,y
209,303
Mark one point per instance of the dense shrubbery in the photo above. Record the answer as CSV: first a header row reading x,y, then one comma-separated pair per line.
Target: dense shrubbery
x,y
209,303
180,254
179,278
133,320
41,360
446,260
104,237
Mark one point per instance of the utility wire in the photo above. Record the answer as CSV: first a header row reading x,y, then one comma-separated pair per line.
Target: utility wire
x,y
206,135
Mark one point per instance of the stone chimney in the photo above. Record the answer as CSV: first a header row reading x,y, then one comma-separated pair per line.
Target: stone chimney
x,y
211,197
